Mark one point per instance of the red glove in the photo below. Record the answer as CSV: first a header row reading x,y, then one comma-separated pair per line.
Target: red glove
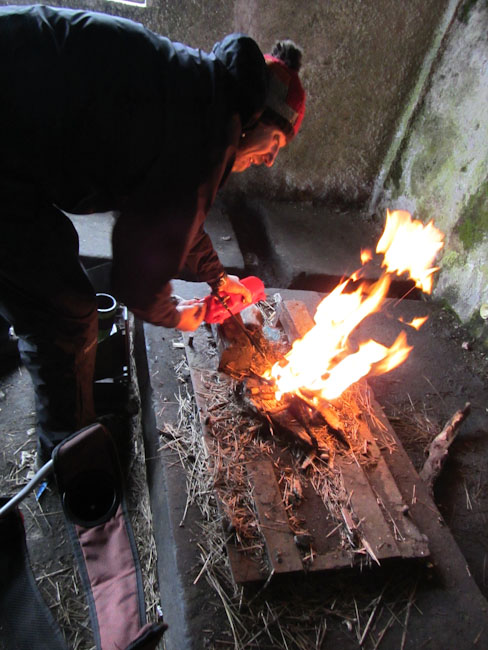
x,y
216,312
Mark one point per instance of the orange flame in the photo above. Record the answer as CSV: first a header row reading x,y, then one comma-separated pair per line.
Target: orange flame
x,y
366,256
416,323
410,247
322,360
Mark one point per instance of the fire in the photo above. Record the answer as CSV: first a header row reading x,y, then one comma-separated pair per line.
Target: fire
x,y
323,361
366,256
410,247
416,323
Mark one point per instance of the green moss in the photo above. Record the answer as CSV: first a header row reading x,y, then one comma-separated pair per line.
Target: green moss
x,y
452,259
449,297
478,329
433,162
472,226
444,303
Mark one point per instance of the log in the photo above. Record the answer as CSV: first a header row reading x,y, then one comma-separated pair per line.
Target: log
x,y
439,447
235,349
277,415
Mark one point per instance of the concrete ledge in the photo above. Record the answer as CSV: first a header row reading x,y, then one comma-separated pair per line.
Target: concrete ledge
x,y
224,239
304,241
95,233
186,607
191,609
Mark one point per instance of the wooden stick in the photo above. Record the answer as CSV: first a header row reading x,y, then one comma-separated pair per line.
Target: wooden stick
x,y
439,447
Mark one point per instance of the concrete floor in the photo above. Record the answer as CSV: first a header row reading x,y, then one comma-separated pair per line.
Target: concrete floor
x,y
444,371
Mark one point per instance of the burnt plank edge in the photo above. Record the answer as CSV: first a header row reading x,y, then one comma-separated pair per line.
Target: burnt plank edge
x,y
372,524
409,539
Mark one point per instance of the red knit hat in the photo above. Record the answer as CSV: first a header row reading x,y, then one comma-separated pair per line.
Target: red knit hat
x,y
286,96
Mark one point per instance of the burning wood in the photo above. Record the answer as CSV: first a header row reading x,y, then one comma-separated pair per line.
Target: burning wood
x,y
319,435
300,393
296,418
244,349
298,390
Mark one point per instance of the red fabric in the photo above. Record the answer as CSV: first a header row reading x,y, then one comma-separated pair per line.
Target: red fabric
x,y
294,97
111,570
217,312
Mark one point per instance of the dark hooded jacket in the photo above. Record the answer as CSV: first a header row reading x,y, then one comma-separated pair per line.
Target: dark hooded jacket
x,y
99,113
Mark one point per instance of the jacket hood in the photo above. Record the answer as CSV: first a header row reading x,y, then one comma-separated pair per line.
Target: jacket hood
x,y
245,63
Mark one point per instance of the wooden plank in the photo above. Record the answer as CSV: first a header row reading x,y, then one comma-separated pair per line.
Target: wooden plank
x,y
282,551
409,539
245,568
376,502
373,528
331,561
294,318
375,497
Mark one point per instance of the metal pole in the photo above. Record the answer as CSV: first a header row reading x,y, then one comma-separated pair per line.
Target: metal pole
x,y
35,480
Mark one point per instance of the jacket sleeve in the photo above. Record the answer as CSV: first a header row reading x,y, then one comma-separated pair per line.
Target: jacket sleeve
x,y
145,258
202,259
160,227
158,232
150,241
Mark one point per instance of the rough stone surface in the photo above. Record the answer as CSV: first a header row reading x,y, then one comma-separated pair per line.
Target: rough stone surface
x,y
442,172
95,237
302,245
361,60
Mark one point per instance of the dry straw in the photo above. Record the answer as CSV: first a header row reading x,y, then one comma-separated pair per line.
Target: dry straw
x,y
301,617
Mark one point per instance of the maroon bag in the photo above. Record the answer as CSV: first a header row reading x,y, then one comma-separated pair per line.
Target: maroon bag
x,y
87,470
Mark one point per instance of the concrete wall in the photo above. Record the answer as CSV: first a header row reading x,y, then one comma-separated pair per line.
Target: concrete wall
x,y
441,169
396,94
361,61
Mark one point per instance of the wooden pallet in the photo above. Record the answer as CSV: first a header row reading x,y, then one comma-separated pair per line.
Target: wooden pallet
x,y
386,528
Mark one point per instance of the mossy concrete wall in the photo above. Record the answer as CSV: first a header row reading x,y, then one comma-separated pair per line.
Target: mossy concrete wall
x,y
441,169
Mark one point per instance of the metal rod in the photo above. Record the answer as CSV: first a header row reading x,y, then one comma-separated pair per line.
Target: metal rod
x,y
35,480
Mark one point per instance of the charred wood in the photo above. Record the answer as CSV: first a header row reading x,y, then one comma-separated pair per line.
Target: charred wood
x,y
439,447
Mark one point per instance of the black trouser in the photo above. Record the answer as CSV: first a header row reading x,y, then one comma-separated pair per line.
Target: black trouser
x,y
4,329
47,297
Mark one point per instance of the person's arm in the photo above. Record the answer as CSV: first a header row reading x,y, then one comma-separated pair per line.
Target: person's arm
x,y
203,261
150,241
160,227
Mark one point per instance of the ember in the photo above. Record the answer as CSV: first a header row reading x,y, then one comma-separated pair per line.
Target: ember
x,y
323,360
